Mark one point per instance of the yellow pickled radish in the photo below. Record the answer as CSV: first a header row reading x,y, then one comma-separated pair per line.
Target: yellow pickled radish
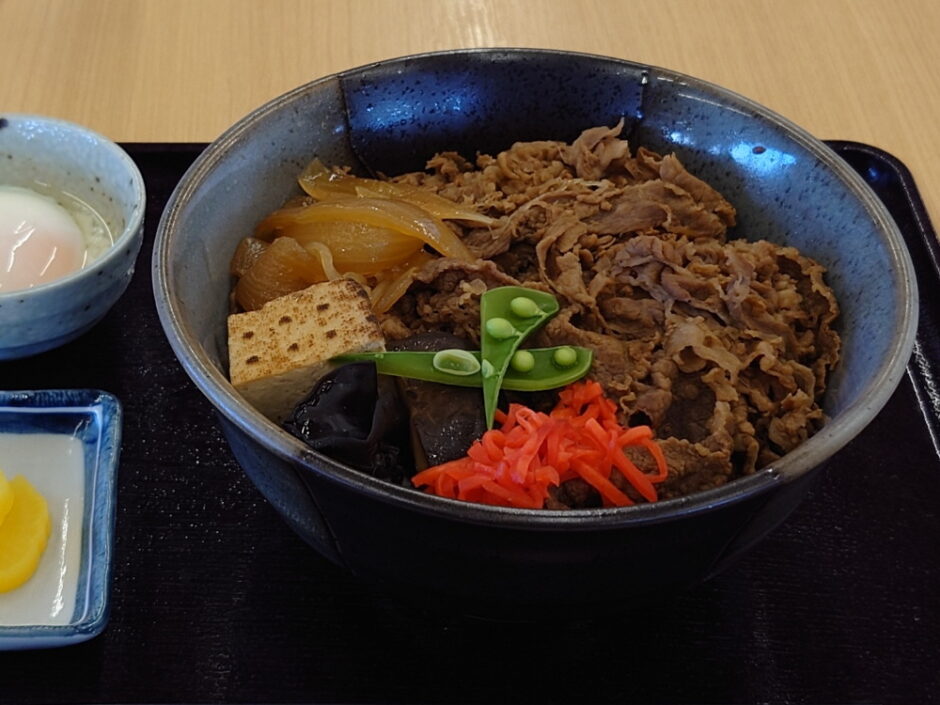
x,y
23,534
6,497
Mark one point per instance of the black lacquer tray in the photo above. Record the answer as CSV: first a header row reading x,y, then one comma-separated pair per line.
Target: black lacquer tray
x,y
214,599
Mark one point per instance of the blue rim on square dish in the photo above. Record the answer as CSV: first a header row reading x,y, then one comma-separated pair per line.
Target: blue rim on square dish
x,y
95,418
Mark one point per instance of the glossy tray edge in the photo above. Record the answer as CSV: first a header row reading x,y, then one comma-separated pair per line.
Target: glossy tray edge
x,y
888,176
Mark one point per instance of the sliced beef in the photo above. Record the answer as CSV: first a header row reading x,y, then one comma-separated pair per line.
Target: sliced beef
x,y
445,296
692,467
593,153
725,346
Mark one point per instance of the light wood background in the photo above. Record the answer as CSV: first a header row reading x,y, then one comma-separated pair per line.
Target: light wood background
x,y
184,70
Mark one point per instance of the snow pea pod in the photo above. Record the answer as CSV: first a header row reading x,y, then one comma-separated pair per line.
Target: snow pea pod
x,y
546,372
507,317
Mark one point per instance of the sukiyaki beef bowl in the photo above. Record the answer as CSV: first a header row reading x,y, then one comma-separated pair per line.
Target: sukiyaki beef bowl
x,y
523,326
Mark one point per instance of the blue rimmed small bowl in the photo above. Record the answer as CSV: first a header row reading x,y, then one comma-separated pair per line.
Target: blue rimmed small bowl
x,y
88,167
67,444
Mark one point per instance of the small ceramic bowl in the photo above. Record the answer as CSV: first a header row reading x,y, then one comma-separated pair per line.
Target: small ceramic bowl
x,y
64,158
66,443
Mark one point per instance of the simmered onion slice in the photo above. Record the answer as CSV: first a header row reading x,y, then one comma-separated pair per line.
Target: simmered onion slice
x,y
282,268
246,254
324,185
395,282
357,247
384,213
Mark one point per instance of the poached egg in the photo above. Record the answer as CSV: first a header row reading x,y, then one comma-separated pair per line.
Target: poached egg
x,y
39,240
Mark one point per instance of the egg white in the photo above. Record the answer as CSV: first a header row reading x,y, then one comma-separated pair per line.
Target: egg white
x,y
40,241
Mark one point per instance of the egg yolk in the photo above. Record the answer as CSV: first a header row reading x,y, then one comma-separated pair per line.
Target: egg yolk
x,y
39,240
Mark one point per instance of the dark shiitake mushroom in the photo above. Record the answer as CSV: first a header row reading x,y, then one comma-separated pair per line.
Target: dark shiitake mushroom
x,y
354,416
445,420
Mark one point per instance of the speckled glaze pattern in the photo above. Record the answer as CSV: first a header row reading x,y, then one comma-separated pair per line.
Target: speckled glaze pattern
x,y
389,117
95,417
402,112
70,158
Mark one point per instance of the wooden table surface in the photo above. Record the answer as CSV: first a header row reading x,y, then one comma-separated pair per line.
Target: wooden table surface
x,y
184,70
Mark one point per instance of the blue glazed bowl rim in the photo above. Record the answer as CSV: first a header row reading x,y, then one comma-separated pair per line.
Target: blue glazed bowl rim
x,y
133,228
97,547
805,458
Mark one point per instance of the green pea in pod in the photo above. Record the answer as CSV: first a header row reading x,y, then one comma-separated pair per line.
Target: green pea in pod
x,y
508,315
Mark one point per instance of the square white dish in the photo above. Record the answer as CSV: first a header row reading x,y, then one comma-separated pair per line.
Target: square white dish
x,y
67,444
